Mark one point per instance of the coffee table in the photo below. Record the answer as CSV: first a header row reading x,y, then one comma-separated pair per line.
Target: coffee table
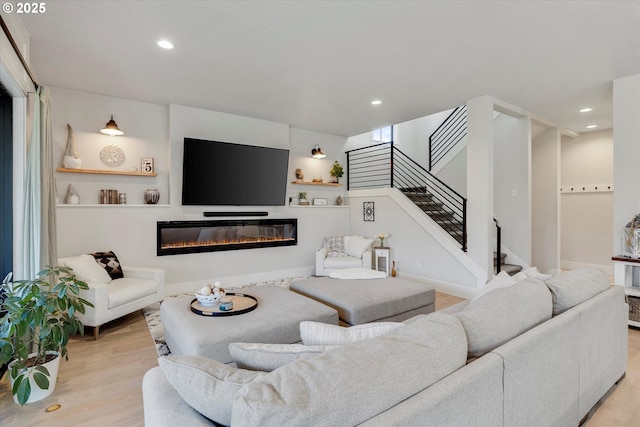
x,y
275,320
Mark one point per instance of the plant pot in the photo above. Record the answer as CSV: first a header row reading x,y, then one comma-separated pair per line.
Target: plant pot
x,y
36,392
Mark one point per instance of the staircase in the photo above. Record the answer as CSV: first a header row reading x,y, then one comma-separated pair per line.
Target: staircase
x,y
383,165
436,211
511,269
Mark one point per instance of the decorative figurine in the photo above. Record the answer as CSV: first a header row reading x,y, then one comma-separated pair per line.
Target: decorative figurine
x,y
71,159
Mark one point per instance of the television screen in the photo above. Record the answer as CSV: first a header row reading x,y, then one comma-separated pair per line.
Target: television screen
x,y
222,173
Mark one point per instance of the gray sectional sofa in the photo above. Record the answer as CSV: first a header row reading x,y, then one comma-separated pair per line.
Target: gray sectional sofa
x,y
539,353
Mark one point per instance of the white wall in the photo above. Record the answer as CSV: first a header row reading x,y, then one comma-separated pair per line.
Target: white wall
x,y
422,251
626,140
545,201
413,136
587,217
130,230
146,134
512,202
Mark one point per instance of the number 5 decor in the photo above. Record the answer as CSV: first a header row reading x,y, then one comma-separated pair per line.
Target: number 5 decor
x,y
368,211
146,165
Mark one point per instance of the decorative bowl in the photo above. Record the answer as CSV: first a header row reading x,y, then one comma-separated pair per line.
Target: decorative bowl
x,y
208,295
207,300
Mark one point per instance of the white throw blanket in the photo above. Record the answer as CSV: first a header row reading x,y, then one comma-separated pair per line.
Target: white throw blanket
x,y
357,273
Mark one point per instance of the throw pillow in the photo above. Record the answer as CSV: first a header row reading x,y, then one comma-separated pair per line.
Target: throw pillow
x,y
505,313
206,385
574,287
267,357
534,273
109,261
335,246
317,333
502,280
86,268
357,245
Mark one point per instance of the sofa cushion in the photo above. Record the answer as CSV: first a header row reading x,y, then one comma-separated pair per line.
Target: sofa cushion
x,y
267,357
86,268
317,333
574,287
505,313
502,280
110,262
335,246
350,384
206,385
355,246
341,262
127,289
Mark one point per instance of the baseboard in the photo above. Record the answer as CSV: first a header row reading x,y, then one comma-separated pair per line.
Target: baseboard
x,y
444,287
238,281
572,265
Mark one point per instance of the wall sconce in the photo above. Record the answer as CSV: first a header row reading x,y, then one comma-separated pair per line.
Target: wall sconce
x,y
317,153
111,128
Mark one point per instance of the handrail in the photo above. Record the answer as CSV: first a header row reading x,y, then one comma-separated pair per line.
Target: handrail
x,y
384,165
498,246
447,135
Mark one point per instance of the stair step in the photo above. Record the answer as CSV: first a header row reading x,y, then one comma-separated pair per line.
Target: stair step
x,y
503,257
417,195
511,269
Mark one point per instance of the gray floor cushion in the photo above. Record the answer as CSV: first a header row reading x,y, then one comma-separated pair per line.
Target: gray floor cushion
x,y
370,300
276,320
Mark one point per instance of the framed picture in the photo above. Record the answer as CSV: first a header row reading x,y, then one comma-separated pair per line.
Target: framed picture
x,y
146,165
319,202
368,211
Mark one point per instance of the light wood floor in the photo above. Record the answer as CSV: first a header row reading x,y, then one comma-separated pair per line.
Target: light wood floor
x,y
100,384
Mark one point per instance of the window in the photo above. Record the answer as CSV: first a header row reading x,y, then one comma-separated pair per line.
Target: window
x,y
384,134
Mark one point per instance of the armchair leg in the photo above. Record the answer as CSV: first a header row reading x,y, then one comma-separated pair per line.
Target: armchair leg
x,y
96,331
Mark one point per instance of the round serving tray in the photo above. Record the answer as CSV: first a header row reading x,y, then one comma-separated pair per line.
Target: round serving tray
x,y
242,303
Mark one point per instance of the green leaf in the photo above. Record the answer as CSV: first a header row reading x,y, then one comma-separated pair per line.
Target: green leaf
x,y
42,369
42,380
22,389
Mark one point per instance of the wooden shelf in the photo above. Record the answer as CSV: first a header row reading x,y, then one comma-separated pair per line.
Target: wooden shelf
x,y
111,205
329,184
105,172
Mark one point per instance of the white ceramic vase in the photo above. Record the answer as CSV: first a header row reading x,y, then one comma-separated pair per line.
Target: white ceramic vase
x,y
36,392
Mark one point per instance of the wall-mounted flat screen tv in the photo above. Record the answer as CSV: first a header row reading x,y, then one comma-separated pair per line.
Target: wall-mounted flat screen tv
x,y
222,173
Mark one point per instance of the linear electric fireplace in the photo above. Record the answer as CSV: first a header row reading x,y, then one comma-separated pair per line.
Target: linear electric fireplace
x,y
186,237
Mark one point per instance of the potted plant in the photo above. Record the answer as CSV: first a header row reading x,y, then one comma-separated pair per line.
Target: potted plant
x,y
40,317
336,171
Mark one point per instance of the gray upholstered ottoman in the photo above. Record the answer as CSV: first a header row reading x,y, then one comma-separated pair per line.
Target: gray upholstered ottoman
x,y
276,320
369,300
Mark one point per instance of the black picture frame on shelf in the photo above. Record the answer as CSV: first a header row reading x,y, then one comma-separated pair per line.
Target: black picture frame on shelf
x,y
368,211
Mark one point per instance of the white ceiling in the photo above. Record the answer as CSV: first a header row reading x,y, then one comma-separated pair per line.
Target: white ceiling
x,y
317,65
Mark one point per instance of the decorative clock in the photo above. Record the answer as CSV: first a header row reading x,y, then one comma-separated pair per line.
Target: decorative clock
x,y
112,155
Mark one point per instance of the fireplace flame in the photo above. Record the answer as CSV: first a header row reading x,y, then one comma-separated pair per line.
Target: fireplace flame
x,y
196,243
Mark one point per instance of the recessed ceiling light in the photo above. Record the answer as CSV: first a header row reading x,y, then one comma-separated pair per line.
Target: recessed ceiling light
x,y
165,44
586,110
592,126
376,102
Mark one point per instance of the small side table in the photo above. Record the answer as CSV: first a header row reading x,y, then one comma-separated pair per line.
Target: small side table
x,y
624,270
381,258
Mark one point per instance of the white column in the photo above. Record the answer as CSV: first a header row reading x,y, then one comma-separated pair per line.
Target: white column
x,y
626,154
545,195
480,226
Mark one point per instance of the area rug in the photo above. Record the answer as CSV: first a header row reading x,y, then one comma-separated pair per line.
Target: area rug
x,y
152,312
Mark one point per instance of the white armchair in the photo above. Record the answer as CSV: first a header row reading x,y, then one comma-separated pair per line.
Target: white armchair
x,y
339,252
140,287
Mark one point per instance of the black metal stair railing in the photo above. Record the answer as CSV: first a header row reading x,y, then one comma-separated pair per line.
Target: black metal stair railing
x,y
447,135
383,165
